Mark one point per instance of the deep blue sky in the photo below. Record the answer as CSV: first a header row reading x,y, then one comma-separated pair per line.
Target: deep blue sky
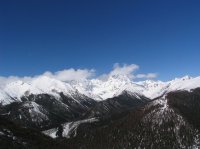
x,y
160,36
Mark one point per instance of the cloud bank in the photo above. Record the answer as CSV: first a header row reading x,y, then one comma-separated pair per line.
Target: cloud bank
x,y
125,69
71,74
82,74
129,71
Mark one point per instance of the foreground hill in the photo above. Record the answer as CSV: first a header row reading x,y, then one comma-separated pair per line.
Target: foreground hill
x,y
168,122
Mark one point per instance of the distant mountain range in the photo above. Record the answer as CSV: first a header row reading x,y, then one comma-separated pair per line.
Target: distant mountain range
x,y
96,89
112,113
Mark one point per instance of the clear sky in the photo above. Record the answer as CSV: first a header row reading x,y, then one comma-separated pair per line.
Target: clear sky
x,y
161,36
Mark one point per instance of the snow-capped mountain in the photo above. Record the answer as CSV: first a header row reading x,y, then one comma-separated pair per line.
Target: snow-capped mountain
x,y
42,102
50,105
96,89
115,85
41,85
155,89
104,89
38,85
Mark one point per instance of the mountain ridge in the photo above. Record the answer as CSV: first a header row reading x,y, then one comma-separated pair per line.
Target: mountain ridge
x,y
96,89
96,108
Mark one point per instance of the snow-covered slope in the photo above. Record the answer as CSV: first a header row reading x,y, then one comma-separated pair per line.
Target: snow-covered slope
x,y
4,98
69,128
185,83
155,89
96,88
51,86
19,88
40,85
115,85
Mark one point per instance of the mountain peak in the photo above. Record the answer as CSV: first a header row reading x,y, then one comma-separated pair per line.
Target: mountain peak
x,y
119,78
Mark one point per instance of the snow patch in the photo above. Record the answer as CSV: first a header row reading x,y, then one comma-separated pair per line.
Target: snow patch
x,y
69,128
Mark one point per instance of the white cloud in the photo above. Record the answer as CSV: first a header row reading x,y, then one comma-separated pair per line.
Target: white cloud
x,y
71,74
64,75
146,76
81,74
127,70
124,70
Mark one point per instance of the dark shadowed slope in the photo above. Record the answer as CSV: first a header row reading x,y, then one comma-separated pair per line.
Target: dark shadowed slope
x,y
155,125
